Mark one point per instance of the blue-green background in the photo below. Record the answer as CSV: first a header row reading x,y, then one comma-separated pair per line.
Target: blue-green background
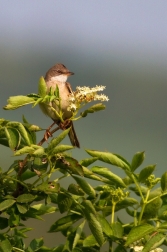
x,y
119,44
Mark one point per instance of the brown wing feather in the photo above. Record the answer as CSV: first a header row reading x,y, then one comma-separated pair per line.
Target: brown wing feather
x,y
69,87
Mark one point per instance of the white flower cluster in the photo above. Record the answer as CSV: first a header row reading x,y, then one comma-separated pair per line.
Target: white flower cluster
x,y
88,89
140,248
84,95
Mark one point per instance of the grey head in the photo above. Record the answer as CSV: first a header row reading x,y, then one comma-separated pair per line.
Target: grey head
x,y
56,70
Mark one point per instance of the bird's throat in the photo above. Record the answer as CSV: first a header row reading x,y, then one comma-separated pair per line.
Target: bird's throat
x,y
59,78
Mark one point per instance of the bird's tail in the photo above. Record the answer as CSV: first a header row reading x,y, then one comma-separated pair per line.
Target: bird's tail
x,y
73,136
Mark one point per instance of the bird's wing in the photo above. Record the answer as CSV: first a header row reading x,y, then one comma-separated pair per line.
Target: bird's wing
x,y
69,87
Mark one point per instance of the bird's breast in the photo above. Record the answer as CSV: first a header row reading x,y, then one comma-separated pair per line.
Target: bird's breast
x,y
64,96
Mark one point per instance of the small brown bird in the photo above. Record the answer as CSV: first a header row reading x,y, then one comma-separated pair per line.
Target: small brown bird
x,y
57,76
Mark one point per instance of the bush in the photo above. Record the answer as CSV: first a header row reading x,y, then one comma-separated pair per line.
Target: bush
x,y
23,198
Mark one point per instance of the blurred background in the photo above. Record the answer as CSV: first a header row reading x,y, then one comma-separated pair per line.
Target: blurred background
x,y
119,44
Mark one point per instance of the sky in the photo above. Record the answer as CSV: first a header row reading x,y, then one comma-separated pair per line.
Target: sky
x,y
118,44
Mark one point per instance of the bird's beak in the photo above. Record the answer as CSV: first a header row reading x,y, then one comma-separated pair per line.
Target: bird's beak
x,y
70,73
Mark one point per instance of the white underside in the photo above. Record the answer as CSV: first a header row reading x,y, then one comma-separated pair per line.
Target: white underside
x,y
60,78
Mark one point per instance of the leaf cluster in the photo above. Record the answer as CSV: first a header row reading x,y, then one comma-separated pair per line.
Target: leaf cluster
x,y
81,203
45,97
34,186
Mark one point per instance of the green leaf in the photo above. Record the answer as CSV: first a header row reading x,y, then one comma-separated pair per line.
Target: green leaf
x,y
6,204
64,201
13,137
31,135
24,120
22,208
32,127
126,203
20,234
59,248
69,164
117,229
137,160
94,108
21,130
3,122
90,241
24,150
5,246
42,88
32,213
87,188
105,225
91,175
88,161
164,182
75,189
162,213
46,249
56,92
35,244
143,189
60,148
14,218
3,223
78,234
39,101
26,136
94,224
24,230
155,241
152,208
89,208
40,152
105,172
120,248
146,172
25,198
44,209
31,130
155,193
163,225
109,158
96,229
139,232
40,164
57,140
27,175
2,132
48,187
76,249
15,102
65,222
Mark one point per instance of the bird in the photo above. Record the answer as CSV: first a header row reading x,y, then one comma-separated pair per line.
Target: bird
x,y
57,76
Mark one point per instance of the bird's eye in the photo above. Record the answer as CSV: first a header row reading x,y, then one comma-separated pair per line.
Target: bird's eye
x,y
58,71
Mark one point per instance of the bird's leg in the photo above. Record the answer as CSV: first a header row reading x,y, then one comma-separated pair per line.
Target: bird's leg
x,y
47,132
65,125
62,125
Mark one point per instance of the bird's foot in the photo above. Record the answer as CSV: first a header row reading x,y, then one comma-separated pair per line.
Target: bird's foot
x,y
65,125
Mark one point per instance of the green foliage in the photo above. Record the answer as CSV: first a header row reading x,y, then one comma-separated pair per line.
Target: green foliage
x,y
94,108
81,202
